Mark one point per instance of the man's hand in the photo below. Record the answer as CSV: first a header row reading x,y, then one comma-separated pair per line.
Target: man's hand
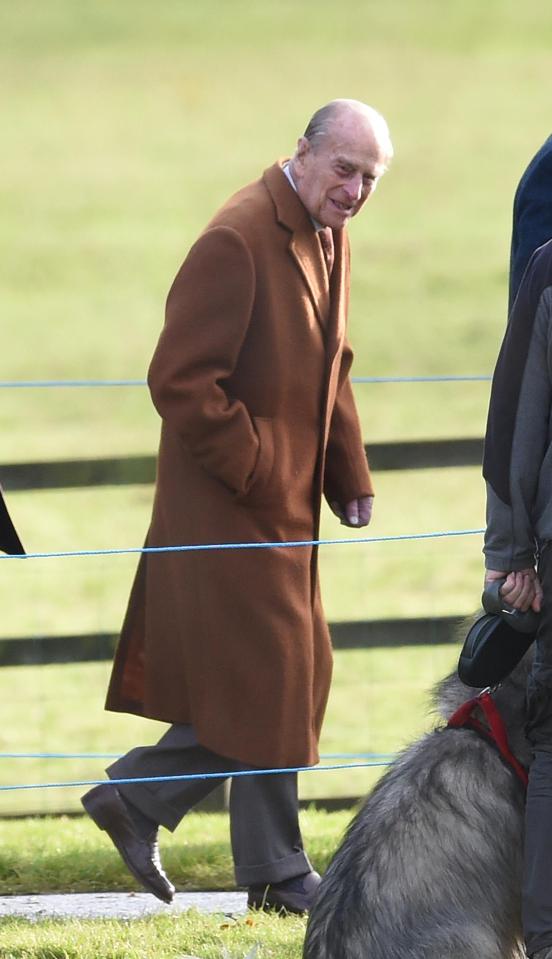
x,y
356,513
522,588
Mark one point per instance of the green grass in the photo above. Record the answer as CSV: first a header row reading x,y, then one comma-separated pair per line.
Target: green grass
x,y
162,937
129,124
71,855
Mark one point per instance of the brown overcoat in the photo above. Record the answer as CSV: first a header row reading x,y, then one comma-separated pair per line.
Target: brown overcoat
x,y
250,377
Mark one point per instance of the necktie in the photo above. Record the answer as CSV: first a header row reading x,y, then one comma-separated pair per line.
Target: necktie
x,y
326,242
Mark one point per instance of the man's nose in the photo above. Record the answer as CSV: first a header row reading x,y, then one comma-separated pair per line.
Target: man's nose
x,y
353,187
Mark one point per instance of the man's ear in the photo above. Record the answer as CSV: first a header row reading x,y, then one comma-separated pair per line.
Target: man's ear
x,y
303,148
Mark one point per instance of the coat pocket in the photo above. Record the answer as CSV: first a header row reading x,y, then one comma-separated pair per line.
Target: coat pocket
x,y
261,485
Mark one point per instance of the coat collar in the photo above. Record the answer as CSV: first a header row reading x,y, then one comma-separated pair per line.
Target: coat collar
x,y
290,212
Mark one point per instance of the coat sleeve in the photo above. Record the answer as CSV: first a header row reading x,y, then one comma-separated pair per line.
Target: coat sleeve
x,y
207,317
347,474
518,467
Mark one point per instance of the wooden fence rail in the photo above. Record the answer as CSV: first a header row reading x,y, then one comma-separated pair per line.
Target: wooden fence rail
x,y
134,470
368,634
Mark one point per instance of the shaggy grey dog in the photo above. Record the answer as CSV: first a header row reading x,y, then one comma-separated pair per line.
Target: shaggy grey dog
x,y
430,868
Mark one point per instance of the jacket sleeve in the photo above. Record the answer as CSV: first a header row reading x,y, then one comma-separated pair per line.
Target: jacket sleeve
x,y
347,474
207,317
510,538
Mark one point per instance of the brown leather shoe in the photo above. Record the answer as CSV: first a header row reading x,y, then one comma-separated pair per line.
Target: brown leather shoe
x,y
105,805
294,895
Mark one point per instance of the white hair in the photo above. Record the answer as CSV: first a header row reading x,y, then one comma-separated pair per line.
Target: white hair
x,y
321,122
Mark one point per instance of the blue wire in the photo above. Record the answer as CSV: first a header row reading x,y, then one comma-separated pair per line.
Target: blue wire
x,y
196,547
29,384
46,384
420,379
185,778
49,384
118,755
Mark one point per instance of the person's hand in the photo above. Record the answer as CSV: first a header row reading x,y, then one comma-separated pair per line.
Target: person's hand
x,y
522,588
356,513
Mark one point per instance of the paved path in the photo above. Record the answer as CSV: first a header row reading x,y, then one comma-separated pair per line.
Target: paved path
x,y
120,905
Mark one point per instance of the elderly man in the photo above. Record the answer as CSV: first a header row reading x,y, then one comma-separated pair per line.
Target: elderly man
x,y
251,380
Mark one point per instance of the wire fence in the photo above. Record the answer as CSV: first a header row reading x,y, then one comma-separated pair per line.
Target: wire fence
x,y
367,760
276,544
92,383
190,777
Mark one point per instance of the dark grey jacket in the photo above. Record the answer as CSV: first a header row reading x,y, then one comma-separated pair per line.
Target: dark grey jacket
x,y
518,443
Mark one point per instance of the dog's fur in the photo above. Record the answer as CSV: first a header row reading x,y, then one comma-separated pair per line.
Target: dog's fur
x,y
430,868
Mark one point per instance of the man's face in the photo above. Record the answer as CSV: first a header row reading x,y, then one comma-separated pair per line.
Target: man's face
x,y
336,173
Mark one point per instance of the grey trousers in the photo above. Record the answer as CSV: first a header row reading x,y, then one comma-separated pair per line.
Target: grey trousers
x,y
537,877
264,821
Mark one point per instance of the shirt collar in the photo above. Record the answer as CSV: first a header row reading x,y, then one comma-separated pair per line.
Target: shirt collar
x,y
317,226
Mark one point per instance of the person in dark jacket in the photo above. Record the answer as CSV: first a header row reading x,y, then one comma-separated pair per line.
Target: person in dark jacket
x,y
518,471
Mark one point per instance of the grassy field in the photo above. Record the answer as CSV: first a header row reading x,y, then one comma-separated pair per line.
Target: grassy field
x,y
71,855
129,125
126,124
208,937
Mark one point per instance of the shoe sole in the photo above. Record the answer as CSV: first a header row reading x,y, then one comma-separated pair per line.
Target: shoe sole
x,y
93,806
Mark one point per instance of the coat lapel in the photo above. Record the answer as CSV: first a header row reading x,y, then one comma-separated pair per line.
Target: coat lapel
x,y
307,253
304,246
339,290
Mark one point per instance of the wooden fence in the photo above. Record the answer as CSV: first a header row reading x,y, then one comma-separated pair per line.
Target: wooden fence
x,y
133,470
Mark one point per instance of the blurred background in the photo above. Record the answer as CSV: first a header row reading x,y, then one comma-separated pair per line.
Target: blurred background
x,y
125,125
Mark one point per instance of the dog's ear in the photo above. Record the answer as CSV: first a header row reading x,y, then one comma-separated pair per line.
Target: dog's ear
x,y
449,694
